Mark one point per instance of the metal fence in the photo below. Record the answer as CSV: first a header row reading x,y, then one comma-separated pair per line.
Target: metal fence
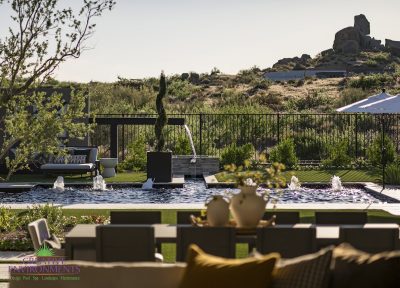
x,y
313,134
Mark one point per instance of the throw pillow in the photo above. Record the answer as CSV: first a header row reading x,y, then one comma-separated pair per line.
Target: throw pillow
x,y
355,268
85,152
77,159
204,270
59,160
307,271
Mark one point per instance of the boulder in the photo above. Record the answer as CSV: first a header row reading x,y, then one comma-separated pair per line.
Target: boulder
x,y
368,43
304,58
350,47
345,35
194,78
327,52
184,76
393,47
361,24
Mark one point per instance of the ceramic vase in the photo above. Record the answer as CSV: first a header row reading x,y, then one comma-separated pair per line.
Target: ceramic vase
x,y
218,211
247,207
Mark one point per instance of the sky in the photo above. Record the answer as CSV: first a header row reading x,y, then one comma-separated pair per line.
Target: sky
x,y
139,38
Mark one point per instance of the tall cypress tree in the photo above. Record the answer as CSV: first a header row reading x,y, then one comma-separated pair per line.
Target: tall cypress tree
x,y
162,115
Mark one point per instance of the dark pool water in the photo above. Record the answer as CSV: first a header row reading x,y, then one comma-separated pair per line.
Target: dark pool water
x,y
193,192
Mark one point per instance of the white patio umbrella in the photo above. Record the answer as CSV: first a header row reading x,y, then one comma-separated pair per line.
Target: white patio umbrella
x,y
357,106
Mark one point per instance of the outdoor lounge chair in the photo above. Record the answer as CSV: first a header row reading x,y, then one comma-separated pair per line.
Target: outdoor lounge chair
x,y
89,165
373,238
290,217
341,218
218,241
288,240
135,217
126,243
40,235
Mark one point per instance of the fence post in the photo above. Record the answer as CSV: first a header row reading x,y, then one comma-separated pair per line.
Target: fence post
x,y
114,140
201,134
123,139
356,136
278,116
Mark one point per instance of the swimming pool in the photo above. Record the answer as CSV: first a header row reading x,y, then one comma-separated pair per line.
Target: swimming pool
x,y
194,191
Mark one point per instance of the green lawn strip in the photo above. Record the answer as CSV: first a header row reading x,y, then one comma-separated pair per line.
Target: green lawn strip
x,y
70,179
322,175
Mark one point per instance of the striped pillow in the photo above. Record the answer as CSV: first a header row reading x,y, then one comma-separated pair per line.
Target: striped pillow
x,y
59,160
77,159
308,271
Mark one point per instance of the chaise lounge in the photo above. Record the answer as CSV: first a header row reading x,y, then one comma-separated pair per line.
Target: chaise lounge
x,y
79,160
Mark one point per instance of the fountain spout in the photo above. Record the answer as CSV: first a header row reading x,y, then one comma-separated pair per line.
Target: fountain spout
x,y
99,183
59,184
294,183
336,183
148,185
193,160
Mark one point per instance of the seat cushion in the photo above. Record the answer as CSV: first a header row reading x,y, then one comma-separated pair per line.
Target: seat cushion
x,y
308,271
55,167
354,268
204,270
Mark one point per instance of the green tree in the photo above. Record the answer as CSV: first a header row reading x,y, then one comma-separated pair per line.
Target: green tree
x,y
44,33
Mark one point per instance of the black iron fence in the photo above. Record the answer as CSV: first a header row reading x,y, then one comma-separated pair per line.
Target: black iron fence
x,y
313,134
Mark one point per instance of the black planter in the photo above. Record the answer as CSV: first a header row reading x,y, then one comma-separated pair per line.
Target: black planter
x,y
159,166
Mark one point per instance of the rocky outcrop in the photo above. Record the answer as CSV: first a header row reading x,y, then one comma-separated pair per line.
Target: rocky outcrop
x,y
295,63
393,47
352,40
361,24
347,41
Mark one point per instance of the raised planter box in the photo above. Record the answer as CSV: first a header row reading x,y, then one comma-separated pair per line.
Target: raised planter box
x,y
159,166
181,165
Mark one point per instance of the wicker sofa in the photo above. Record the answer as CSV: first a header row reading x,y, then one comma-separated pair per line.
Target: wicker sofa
x,y
64,166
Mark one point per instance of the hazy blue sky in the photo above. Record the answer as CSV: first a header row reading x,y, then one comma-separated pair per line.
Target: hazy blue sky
x,y
139,38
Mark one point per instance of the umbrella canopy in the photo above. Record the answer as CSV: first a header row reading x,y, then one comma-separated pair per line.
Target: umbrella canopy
x,y
389,105
357,107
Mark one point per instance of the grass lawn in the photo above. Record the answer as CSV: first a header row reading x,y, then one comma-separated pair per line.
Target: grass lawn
x,y
120,177
323,175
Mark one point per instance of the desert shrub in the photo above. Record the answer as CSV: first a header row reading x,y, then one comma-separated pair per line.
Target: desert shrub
x,y
285,153
351,95
181,89
371,63
371,81
8,220
374,151
248,76
136,158
109,98
313,100
51,213
392,174
182,146
310,147
237,154
338,155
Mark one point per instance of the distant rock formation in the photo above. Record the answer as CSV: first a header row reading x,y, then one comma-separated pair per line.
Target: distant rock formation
x,y
352,40
299,63
393,47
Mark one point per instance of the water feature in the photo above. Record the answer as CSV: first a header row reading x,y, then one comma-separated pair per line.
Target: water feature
x,y
59,184
148,185
336,183
189,133
99,183
194,191
294,183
